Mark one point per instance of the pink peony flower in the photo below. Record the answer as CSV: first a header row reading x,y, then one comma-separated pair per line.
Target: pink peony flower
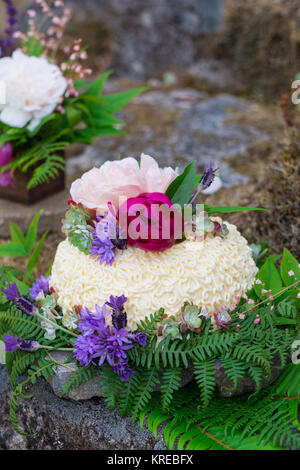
x,y
6,156
120,178
150,221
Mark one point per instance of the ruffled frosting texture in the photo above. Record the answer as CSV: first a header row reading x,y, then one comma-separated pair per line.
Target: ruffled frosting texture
x,y
210,273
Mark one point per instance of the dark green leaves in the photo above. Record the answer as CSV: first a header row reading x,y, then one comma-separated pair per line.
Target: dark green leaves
x,y
270,277
228,209
288,265
24,246
181,189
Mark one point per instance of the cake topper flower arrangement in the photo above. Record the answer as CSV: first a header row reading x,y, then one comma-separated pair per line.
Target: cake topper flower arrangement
x,y
148,284
49,103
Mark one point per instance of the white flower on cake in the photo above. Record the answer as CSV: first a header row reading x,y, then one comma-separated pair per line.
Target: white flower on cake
x,y
34,88
211,273
119,178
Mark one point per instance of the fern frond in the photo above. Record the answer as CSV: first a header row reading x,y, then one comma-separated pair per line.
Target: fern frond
x,y
204,375
149,380
170,383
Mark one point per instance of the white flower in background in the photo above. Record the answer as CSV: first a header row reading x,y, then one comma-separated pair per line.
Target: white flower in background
x,y
33,89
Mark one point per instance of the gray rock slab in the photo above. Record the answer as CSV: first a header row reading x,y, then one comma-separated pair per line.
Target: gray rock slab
x,y
92,388
89,389
141,36
67,425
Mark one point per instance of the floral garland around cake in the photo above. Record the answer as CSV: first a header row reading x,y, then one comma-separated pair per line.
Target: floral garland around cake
x,y
140,368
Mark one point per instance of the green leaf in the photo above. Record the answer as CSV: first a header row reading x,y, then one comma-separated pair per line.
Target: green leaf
x,y
96,87
16,234
12,250
116,101
23,288
198,179
289,263
46,119
181,189
33,260
270,277
228,209
32,231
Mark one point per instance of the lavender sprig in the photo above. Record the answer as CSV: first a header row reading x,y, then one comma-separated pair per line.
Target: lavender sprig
x,y
8,43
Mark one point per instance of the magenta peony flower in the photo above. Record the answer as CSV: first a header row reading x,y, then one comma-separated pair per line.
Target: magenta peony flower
x,y
151,221
6,155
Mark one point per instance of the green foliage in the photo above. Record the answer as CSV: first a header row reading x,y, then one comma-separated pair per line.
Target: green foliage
x,y
181,189
259,253
22,246
193,417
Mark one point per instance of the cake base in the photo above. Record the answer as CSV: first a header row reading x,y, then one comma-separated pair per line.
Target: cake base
x,y
212,274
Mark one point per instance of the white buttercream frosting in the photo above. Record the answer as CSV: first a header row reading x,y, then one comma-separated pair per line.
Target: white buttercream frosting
x,y
209,273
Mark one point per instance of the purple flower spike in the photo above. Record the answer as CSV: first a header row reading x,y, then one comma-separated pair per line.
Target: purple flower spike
x,y
11,19
102,249
22,303
13,344
208,177
91,322
117,303
119,316
12,292
41,285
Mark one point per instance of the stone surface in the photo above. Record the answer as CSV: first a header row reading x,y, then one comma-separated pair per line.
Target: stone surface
x,y
138,37
92,388
67,425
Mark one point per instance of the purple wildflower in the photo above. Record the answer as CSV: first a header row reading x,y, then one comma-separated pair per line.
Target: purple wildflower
x,y
16,344
11,12
123,370
113,344
102,249
41,285
119,316
107,227
138,337
12,292
208,177
21,302
85,349
91,322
